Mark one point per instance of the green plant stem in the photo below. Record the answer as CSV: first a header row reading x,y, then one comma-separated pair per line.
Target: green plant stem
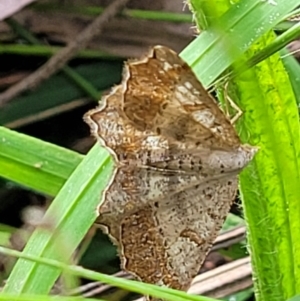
x,y
45,50
278,43
133,13
132,285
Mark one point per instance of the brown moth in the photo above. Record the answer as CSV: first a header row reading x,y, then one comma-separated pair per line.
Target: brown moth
x,y
177,158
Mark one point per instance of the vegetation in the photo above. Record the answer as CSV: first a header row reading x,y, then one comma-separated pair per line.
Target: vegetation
x,y
235,37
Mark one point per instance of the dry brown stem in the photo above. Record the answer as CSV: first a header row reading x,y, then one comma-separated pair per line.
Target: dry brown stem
x,y
57,61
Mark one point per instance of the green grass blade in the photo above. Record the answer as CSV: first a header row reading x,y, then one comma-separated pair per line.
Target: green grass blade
x,y
293,69
67,220
237,29
35,164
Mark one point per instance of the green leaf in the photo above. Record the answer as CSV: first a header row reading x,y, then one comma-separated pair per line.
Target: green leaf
x,y
270,186
67,220
236,30
34,163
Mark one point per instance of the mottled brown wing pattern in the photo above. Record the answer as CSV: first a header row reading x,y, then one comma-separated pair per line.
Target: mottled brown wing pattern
x,y
172,237
161,93
177,158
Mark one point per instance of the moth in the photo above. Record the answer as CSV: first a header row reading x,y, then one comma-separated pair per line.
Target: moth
x,y
177,158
